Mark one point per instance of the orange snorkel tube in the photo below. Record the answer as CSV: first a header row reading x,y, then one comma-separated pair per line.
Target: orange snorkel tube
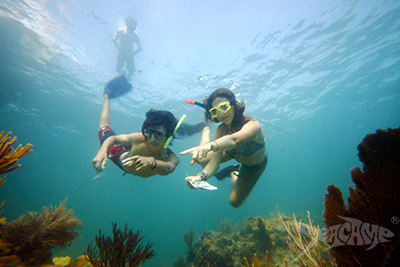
x,y
193,102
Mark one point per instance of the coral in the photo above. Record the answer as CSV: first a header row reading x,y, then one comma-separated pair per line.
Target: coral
x,y
10,156
225,226
256,261
61,261
33,235
305,244
263,235
81,261
12,260
3,220
179,262
216,248
7,256
371,235
188,237
120,250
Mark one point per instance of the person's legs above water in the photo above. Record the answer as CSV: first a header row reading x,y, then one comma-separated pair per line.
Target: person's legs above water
x,y
130,66
120,63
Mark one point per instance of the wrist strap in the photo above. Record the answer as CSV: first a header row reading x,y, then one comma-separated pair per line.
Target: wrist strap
x,y
154,163
204,175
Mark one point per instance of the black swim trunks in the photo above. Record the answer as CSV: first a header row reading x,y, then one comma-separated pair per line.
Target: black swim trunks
x,y
115,151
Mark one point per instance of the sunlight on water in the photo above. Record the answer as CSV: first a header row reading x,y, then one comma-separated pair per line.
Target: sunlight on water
x,y
318,75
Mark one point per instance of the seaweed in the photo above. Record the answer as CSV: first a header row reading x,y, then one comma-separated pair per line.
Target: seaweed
x,y
373,205
257,261
10,156
34,235
188,237
305,244
225,226
120,250
179,262
266,242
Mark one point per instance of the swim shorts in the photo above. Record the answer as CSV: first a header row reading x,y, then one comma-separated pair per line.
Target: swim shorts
x,y
114,153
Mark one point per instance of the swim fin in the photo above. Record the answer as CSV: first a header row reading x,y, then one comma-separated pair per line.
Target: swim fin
x,y
226,172
117,86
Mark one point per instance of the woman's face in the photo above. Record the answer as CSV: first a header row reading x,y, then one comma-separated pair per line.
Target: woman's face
x,y
224,111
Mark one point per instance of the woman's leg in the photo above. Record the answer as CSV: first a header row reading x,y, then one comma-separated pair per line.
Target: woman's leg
x,y
243,182
105,113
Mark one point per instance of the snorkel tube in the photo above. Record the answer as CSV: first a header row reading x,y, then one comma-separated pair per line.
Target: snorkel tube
x,y
164,151
193,102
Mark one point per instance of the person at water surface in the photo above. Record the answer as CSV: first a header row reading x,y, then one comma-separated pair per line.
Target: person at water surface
x,y
237,137
127,41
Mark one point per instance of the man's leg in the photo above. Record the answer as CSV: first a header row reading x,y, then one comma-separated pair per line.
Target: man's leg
x,y
130,66
105,113
120,62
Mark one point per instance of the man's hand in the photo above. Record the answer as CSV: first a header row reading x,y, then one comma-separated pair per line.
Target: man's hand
x,y
99,162
139,162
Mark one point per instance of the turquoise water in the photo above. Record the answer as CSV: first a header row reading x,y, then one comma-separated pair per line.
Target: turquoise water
x,y
318,75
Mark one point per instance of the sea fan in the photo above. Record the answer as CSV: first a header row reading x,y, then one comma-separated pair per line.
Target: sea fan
x,y
33,235
120,250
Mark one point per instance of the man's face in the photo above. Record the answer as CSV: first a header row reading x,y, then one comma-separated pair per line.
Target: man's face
x,y
131,25
156,135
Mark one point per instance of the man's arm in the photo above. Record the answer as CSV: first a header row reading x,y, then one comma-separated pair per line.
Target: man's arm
x,y
116,38
150,165
138,45
166,167
100,160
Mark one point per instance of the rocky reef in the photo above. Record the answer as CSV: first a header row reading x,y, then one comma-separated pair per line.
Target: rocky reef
x,y
367,231
226,247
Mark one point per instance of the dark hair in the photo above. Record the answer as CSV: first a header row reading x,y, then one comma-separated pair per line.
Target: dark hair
x,y
160,117
239,119
131,21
